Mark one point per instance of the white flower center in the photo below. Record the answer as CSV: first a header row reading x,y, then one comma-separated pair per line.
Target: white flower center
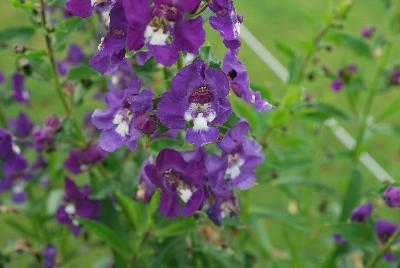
x,y
122,120
185,194
200,121
70,209
16,148
19,187
156,36
235,163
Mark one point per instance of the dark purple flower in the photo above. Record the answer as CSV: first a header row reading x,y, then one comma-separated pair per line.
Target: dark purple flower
x,y
20,94
339,239
84,8
199,94
240,156
2,78
395,76
111,50
50,256
118,121
367,32
44,136
392,196
161,25
240,83
22,125
385,230
74,58
362,213
223,206
227,22
337,85
180,176
83,159
146,188
77,204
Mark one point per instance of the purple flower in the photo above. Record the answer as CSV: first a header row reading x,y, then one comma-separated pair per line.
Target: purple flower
x,y
392,196
50,256
44,136
337,85
223,206
240,156
161,25
119,121
227,22
367,32
83,159
124,76
362,213
77,204
21,95
180,176
111,50
240,83
385,230
199,94
146,188
2,78
395,76
339,239
74,58
84,8
22,125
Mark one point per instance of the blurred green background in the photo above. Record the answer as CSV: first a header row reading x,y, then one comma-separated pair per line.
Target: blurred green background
x,y
319,162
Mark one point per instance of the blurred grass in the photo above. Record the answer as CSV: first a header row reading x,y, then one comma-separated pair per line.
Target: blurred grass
x,y
290,22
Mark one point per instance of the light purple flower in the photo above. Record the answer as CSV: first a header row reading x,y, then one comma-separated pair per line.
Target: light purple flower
x,y
199,95
50,256
161,25
77,204
81,160
74,58
337,85
223,206
181,178
43,137
392,196
362,213
84,8
22,125
227,22
240,83
20,93
119,122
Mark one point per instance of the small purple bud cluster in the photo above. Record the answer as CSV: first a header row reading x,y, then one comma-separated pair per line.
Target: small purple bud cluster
x,y
344,77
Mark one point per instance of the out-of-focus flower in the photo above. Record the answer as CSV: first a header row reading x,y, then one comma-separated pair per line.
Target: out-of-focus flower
x,y
77,204
146,188
392,196
84,8
395,76
385,230
339,239
44,136
22,125
2,78
367,32
20,93
74,58
362,213
81,160
50,256
199,94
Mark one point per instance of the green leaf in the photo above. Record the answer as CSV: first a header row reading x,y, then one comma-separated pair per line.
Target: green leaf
x,y
131,209
179,226
64,29
280,216
279,117
293,96
356,44
16,34
358,234
108,236
352,196
82,72
299,181
391,109
286,50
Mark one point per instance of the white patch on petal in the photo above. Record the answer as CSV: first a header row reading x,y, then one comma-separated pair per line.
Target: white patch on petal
x,y
211,116
70,209
156,36
122,123
189,58
185,194
75,222
93,2
115,80
16,148
200,122
237,28
19,187
123,129
188,116
235,163
101,43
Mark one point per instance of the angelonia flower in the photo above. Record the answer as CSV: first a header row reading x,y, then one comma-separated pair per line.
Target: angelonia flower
x,y
49,256
43,137
199,96
367,32
395,76
344,76
227,22
75,57
339,239
240,82
20,93
392,196
77,204
120,122
14,168
362,213
85,8
385,230
164,28
82,160
22,126
146,188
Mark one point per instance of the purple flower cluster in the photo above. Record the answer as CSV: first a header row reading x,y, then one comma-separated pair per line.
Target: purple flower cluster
x,y
344,76
77,204
81,160
74,58
44,136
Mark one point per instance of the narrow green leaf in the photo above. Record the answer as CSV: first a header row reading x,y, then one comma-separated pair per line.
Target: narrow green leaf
x,y
131,210
358,46
358,234
16,34
352,196
390,109
180,226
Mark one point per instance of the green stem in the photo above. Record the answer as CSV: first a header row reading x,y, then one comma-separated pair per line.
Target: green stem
x,y
384,250
3,118
370,98
179,63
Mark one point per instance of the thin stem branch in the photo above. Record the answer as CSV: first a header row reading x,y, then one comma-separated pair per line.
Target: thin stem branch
x,y
179,63
384,250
